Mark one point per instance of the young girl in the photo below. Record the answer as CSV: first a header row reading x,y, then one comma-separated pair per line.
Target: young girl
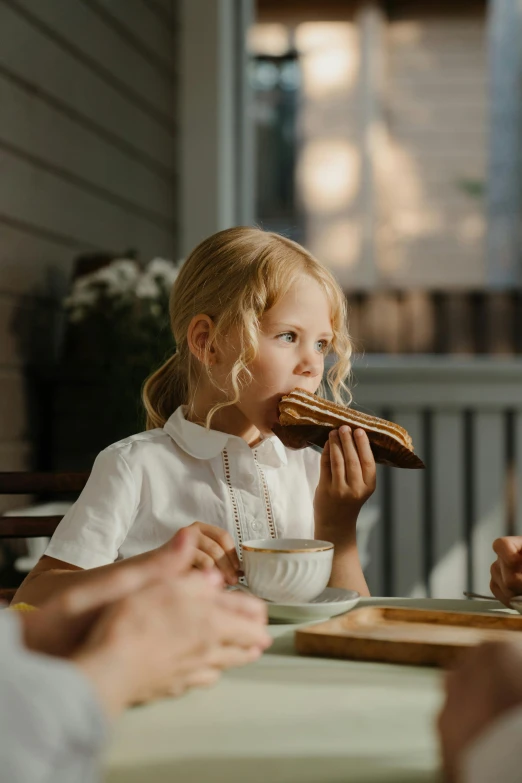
x,y
253,316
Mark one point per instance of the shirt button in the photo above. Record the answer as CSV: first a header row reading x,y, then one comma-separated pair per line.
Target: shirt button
x,y
255,525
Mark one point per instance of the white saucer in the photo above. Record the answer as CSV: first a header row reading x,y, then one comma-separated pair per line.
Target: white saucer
x,y
332,601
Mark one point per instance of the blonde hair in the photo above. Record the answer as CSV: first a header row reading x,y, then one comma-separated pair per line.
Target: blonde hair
x,y
234,277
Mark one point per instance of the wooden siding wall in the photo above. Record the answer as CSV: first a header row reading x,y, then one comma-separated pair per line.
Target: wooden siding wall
x,y
87,162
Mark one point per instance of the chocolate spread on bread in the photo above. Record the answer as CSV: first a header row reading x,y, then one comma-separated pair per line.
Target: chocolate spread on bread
x,y
306,419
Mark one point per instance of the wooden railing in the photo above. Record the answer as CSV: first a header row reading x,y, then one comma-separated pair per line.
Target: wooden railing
x,y
439,322
435,528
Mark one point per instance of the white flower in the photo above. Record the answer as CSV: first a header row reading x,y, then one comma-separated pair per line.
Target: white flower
x,y
81,296
166,270
126,268
119,277
82,282
147,288
123,281
77,315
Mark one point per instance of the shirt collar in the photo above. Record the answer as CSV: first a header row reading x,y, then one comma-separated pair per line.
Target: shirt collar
x,y
201,443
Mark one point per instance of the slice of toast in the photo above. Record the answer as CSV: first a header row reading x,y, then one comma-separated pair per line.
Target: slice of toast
x,y
306,419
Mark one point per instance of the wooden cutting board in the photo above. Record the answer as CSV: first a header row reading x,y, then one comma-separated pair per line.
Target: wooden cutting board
x,y
409,636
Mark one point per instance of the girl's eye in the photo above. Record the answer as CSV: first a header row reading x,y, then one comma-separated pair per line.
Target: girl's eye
x,y
322,346
287,337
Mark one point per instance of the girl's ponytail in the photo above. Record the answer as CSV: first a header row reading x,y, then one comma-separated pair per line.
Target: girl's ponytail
x,y
164,391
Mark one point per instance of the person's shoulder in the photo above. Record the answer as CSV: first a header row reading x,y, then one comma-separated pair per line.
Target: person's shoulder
x,y
142,445
139,440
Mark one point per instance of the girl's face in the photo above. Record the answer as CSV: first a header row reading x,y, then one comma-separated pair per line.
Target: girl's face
x,y
294,337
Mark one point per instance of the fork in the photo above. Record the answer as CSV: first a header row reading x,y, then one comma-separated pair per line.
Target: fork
x,y
479,595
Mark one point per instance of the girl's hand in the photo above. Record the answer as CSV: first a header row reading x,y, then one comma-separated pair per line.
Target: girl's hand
x,y
346,481
506,571
213,547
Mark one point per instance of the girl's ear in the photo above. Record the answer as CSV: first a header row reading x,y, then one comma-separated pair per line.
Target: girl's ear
x,y
200,339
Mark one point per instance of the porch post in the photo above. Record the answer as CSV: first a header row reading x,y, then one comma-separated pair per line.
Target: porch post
x,y
372,26
216,133
504,256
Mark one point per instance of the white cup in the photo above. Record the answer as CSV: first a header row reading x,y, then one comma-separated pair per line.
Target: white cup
x,y
287,570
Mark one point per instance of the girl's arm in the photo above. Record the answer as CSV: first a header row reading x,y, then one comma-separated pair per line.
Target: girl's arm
x,y
347,571
212,546
93,530
50,576
346,481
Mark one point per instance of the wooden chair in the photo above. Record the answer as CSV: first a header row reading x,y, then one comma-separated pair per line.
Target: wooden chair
x,y
42,485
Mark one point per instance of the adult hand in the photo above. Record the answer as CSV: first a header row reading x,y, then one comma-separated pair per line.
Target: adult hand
x,y
506,571
347,479
170,636
60,625
213,547
486,684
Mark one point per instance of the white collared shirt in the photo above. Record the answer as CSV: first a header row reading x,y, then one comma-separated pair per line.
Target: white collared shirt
x,y
146,487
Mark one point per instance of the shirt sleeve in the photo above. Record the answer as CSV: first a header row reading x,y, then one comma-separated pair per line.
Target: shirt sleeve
x,y
497,753
92,531
52,727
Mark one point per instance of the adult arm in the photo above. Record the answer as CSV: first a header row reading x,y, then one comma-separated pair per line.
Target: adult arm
x,y
496,754
52,727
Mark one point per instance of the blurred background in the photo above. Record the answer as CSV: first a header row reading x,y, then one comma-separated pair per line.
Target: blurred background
x,y
384,136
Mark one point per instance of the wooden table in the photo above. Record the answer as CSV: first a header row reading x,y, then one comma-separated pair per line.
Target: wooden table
x,y
289,719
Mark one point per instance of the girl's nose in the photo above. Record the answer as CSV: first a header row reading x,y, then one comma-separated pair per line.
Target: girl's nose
x,y
313,372
310,365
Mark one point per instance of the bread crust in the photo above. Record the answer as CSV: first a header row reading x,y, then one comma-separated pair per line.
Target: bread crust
x,y
306,419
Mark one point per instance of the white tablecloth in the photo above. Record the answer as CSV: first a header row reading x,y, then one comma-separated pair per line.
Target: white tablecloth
x,y
290,719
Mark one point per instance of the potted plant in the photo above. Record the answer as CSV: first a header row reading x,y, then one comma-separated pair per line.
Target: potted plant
x,y
117,332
